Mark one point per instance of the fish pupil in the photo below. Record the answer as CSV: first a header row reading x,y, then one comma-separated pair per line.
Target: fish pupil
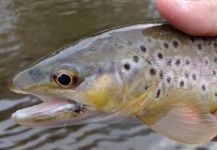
x,y
64,79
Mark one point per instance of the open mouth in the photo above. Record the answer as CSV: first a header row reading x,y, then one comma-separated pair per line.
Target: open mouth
x,y
60,112
52,112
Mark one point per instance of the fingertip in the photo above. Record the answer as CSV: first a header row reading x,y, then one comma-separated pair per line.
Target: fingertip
x,y
166,8
192,17
173,12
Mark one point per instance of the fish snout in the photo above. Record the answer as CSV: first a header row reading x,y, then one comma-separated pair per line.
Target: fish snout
x,y
23,81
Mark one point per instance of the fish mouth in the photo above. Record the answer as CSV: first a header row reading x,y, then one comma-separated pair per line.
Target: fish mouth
x,y
55,112
51,112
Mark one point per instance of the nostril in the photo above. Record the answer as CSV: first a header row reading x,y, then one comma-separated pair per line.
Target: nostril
x,y
35,74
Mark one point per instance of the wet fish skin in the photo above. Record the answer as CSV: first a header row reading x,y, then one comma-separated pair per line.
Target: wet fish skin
x,y
150,71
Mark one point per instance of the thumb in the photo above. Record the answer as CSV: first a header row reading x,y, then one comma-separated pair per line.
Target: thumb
x,y
195,17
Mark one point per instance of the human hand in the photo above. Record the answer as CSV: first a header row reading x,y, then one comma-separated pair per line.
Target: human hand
x,y
195,17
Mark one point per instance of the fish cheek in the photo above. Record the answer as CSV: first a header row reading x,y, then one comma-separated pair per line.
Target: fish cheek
x,y
102,93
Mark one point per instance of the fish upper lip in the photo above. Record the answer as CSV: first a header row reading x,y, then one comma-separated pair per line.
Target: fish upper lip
x,y
16,90
43,97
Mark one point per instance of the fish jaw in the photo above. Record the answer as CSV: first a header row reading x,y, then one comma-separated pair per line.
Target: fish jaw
x,y
60,113
54,113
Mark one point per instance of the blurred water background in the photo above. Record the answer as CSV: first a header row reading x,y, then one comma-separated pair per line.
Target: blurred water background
x,y
32,29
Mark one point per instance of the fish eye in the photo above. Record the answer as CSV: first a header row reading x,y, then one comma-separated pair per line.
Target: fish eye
x,y
65,79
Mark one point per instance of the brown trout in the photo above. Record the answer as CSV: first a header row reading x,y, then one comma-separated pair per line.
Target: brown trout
x,y
147,72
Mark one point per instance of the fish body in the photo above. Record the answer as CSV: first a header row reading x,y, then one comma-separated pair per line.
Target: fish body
x,y
152,72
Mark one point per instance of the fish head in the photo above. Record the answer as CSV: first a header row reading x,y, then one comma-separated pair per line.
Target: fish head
x,y
85,77
97,73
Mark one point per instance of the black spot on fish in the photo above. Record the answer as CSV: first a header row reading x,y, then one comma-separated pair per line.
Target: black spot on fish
x,y
203,87
187,75
194,77
178,62
161,74
127,66
181,84
175,44
187,62
135,59
158,93
169,63
166,45
206,62
160,55
152,71
168,79
146,87
214,72
199,46
143,48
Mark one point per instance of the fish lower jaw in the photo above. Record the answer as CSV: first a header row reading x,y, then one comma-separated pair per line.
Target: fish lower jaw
x,y
52,113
